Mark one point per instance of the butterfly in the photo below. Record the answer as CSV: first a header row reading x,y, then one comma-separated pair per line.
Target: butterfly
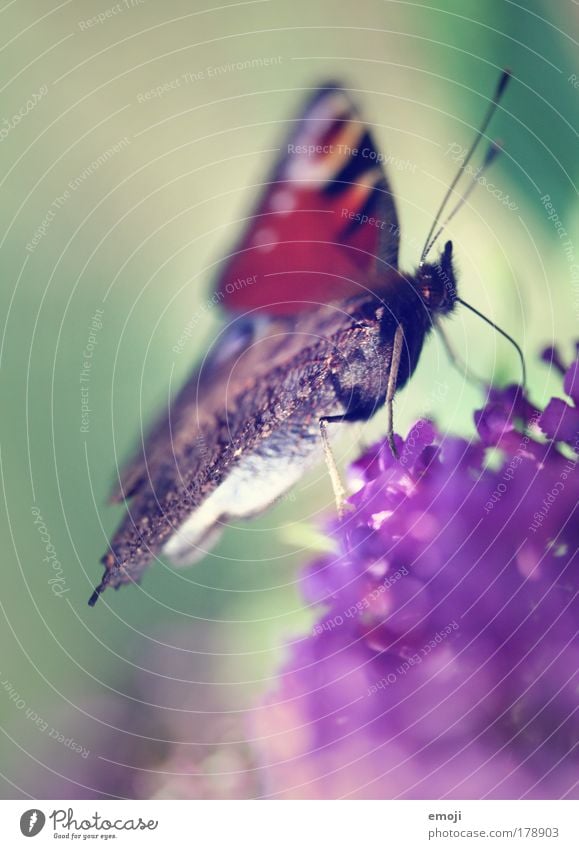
x,y
323,327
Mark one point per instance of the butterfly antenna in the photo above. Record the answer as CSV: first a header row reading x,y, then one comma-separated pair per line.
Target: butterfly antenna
x,y
503,333
499,91
493,151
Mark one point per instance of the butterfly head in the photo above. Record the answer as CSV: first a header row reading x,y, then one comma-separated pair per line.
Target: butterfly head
x,y
437,283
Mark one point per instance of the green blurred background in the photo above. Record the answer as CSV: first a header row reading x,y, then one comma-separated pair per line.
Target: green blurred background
x,y
139,238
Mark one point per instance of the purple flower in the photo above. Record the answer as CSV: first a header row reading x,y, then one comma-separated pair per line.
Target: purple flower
x,y
444,662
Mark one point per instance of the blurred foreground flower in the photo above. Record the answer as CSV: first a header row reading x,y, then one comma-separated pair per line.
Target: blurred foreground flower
x,y
446,662
172,728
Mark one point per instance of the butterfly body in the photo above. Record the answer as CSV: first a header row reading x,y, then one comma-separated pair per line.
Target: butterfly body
x,y
246,425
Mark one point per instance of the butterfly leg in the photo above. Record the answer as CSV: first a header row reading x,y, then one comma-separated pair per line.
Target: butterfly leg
x,y
391,388
337,485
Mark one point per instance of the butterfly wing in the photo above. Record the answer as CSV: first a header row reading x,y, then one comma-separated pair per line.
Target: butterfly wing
x,y
326,214
329,212
234,438
187,413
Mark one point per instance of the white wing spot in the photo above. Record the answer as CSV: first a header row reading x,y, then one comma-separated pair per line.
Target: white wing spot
x,y
265,239
283,202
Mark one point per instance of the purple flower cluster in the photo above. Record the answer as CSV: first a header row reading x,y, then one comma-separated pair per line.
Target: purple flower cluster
x,y
446,661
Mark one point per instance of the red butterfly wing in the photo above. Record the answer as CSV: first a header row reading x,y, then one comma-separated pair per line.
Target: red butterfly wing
x,y
326,214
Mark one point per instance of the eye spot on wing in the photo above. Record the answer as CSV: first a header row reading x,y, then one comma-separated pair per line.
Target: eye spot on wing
x,y
322,118
356,195
331,153
310,169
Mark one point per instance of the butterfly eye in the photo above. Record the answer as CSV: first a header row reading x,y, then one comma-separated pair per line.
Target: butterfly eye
x,y
426,287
